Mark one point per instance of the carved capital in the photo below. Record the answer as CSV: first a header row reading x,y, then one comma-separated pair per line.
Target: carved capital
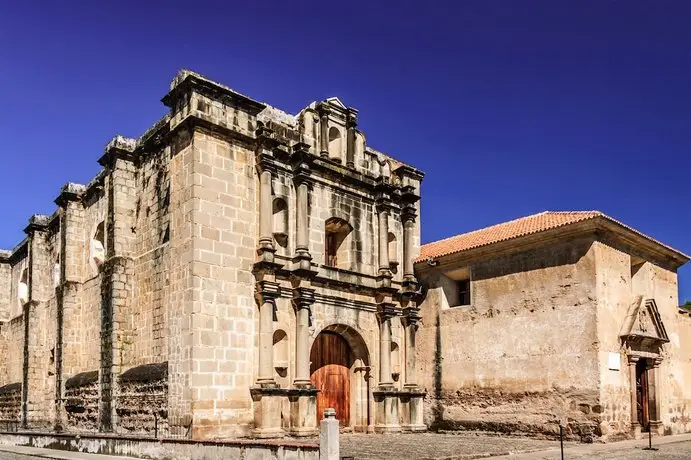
x,y
303,297
411,316
386,311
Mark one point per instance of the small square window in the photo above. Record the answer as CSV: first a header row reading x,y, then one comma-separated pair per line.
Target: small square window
x,y
464,292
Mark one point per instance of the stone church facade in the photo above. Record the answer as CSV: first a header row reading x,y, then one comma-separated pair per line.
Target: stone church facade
x,y
231,272
559,317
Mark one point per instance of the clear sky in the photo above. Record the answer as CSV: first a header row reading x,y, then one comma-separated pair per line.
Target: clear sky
x,y
510,107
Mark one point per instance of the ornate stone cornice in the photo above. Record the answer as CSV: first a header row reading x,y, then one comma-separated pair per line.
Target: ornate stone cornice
x,y
186,81
69,192
37,222
119,148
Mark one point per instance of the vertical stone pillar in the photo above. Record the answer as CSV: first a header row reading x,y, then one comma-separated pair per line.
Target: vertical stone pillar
x,y
635,425
655,397
268,291
38,410
385,379
323,129
385,396
303,395
266,393
329,443
351,123
412,397
265,213
302,303
117,271
302,258
383,215
408,215
69,339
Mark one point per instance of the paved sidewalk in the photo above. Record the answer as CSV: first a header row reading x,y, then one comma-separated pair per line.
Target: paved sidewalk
x,y
433,446
669,448
31,453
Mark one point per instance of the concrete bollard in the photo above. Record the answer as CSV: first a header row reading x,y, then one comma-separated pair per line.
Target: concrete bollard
x,y
329,448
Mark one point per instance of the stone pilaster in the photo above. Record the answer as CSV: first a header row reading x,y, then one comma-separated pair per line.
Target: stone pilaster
x,y
412,396
386,396
635,425
655,397
323,111
301,176
38,408
69,339
351,124
266,248
303,395
408,216
265,394
116,271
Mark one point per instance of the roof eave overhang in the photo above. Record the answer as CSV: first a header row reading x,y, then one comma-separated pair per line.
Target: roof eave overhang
x,y
598,227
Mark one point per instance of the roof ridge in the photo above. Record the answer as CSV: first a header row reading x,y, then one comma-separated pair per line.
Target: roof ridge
x,y
486,228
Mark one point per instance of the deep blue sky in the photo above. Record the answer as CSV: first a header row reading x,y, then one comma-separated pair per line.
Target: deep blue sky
x,y
511,107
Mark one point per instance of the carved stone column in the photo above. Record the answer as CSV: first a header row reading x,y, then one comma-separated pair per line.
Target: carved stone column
x,y
266,393
323,129
268,292
635,425
351,123
386,395
303,396
409,213
383,215
655,397
266,245
385,316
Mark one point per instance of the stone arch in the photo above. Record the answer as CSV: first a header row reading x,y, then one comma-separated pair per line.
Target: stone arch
x,y
97,247
359,374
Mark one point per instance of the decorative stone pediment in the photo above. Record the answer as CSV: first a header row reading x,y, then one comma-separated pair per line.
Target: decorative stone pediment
x,y
643,328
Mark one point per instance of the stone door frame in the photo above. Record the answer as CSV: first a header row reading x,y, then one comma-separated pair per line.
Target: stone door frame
x,y
652,371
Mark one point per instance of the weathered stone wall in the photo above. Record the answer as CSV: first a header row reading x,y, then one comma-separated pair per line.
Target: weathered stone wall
x,y
11,402
148,321
81,402
20,267
12,335
620,281
5,288
142,402
224,224
524,355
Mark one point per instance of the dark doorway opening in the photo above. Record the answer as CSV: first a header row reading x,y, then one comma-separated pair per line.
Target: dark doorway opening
x,y
642,394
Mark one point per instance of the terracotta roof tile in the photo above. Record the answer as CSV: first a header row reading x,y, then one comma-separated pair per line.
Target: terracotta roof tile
x,y
513,229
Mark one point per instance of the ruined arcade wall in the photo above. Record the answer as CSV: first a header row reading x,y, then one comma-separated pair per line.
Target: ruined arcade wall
x,y
523,355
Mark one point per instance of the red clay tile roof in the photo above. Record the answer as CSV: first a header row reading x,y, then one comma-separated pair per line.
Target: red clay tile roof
x,y
514,229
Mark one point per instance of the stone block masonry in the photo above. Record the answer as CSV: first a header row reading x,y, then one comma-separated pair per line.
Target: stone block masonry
x,y
181,291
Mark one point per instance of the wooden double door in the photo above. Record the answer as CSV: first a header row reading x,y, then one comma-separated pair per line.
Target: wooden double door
x,y
331,358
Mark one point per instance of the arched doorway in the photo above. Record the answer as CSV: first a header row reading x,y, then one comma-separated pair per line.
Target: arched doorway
x,y
340,370
330,373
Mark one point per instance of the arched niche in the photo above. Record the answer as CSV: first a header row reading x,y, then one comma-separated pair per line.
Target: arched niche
x,y
386,170
280,221
393,248
338,234
395,361
335,143
281,352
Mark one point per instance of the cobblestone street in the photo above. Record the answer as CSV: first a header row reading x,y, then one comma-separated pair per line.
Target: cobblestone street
x,y
436,446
